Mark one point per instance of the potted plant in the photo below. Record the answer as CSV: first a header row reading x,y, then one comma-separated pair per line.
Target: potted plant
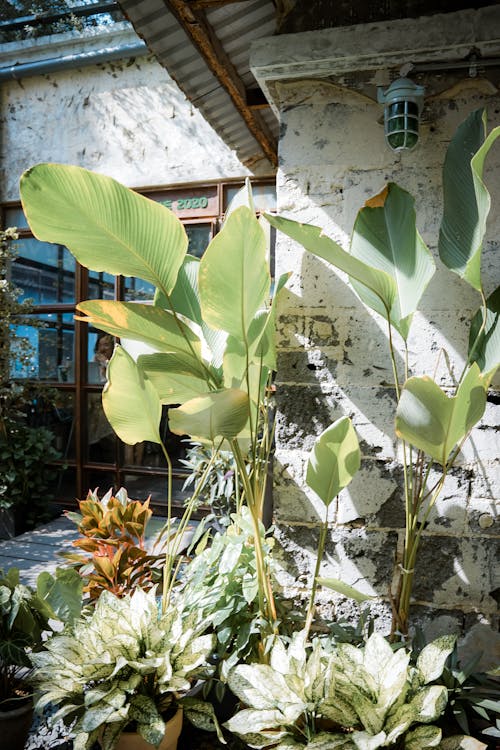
x,y
322,696
26,615
112,552
117,676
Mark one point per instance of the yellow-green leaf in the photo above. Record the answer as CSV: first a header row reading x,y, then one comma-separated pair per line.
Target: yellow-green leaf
x,y
106,226
222,414
130,401
334,460
434,422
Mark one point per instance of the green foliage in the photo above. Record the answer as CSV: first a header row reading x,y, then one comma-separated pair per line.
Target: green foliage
x,y
466,199
25,450
222,486
122,663
389,267
473,698
24,618
221,583
334,460
210,327
113,533
326,696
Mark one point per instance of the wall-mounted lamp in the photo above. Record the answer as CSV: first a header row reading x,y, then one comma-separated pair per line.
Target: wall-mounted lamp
x,y
403,102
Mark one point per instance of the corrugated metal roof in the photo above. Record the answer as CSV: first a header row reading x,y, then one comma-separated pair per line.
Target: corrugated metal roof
x,y
236,25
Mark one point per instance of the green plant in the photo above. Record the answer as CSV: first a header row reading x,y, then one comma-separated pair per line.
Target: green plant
x,y
389,267
222,488
221,583
25,616
473,698
122,664
25,450
114,534
211,327
326,696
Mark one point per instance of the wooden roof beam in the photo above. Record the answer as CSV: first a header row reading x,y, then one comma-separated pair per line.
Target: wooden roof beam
x,y
203,37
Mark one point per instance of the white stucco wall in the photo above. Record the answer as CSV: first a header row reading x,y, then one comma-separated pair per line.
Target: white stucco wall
x,y
333,354
126,118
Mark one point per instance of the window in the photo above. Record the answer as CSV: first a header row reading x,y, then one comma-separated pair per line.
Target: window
x,y
70,356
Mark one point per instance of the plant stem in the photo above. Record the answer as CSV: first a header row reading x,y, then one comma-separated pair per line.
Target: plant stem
x,y
267,605
319,556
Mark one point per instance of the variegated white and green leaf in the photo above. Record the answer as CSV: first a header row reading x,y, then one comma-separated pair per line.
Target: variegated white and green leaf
x,y
432,658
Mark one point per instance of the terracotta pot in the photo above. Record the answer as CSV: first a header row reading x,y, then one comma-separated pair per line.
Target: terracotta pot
x,y
134,741
15,726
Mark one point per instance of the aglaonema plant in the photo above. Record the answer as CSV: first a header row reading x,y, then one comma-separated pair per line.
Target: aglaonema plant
x,y
389,267
209,329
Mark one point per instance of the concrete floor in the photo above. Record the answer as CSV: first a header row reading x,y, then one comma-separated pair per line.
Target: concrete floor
x,y
39,550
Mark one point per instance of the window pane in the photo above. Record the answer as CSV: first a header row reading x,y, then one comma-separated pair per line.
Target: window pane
x,y
14,217
199,236
103,480
58,417
101,285
63,487
138,290
100,346
51,353
139,488
151,455
264,196
44,272
101,440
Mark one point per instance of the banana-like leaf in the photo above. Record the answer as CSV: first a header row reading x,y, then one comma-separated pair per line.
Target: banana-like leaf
x,y
130,401
344,589
221,414
267,344
151,325
484,347
234,277
105,225
185,296
434,422
185,300
334,460
312,238
174,382
466,198
385,237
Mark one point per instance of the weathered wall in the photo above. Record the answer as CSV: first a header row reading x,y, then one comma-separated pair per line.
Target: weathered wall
x,y
333,358
127,119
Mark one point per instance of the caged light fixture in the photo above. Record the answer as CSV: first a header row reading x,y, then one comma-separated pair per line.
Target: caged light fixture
x,y
403,102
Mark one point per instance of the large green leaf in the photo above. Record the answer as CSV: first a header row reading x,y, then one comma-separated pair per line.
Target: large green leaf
x,y
185,296
466,198
130,401
313,239
234,277
105,225
222,414
385,237
62,592
334,460
151,325
335,584
435,423
484,348
267,343
174,382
